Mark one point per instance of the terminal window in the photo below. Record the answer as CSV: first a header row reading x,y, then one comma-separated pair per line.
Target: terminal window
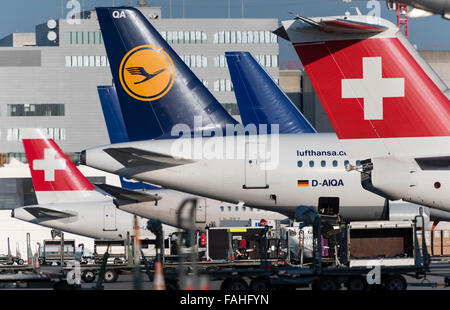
x,y
220,61
223,85
87,61
185,37
36,109
84,37
57,134
245,37
195,61
265,60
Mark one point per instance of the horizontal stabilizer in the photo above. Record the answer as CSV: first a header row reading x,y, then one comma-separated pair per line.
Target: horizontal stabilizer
x,y
349,26
132,157
43,213
127,195
337,25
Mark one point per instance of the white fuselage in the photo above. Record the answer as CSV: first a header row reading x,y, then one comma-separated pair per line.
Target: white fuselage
x,y
98,220
244,178
103,220
207,212
403,178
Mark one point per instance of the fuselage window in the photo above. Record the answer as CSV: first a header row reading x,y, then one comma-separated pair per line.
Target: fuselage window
x,y
236,208
229,208
222,209
323,163
335,163
299,163
311,163
346,163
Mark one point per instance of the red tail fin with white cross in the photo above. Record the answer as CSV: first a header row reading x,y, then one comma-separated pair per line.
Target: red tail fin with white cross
x,y
373,84
55,177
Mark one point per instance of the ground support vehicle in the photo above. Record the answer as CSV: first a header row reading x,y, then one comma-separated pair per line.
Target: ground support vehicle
x,y
355,267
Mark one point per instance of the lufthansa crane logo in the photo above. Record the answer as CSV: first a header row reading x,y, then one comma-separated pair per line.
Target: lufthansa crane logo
x,y
147,73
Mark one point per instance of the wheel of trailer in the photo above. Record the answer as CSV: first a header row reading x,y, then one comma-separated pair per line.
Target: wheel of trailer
x,y
20,261
234,284
357,283
88,276
259,284
110,276
395,282
325,284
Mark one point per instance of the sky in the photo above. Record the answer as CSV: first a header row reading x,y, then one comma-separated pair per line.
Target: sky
x,y
426,33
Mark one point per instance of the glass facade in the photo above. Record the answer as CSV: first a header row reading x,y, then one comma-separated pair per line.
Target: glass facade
x,y
195,61
57,134
245,37
87,61
36,109
185,37
83,37
223,85
270,61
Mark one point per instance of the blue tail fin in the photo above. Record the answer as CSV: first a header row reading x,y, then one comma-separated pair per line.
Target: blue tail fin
x,y
112,114
155,87
260,100
116,129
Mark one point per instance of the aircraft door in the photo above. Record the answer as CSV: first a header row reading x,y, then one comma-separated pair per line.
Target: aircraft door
x,y
255,175
200,211
109,218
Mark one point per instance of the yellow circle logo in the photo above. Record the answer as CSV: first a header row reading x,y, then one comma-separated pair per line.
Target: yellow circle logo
x,y
147,73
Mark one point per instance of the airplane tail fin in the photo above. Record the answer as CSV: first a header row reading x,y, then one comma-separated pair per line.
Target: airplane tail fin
x,y
113,114
156,88
117,131
378,92
55,177
260,99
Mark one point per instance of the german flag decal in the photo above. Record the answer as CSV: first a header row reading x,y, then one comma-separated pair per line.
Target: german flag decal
x,y
303,183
